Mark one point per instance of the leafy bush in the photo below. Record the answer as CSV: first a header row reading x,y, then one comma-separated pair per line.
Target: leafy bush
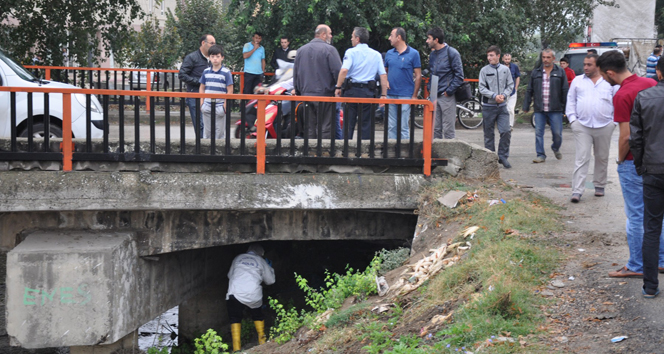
x,y
391,259
337,289
155,350
210,343
287,322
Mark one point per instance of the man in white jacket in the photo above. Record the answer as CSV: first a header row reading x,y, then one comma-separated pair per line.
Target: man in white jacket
x,y
247,273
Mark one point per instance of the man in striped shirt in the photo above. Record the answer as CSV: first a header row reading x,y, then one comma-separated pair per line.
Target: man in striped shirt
x,y
547,90
217,79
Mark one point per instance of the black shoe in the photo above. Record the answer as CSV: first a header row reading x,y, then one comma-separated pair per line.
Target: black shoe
x,y
505,163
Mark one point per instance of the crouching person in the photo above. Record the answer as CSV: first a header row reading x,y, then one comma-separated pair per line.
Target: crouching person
x,y
247,273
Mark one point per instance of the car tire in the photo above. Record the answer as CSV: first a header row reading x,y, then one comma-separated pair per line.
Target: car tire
x,y
39,129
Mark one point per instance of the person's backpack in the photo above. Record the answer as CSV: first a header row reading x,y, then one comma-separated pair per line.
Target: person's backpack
x,y
464,92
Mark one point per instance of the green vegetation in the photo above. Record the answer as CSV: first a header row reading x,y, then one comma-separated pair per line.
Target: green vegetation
x,y
488,294
210,343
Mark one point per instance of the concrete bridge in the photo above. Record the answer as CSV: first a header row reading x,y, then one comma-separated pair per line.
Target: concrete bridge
x,y
97,252
134,230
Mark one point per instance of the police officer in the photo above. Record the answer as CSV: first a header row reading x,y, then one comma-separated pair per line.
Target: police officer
x,y
358,73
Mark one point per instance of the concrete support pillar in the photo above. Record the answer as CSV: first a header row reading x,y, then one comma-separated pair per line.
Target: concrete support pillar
x,y
207,309
89,289
130,341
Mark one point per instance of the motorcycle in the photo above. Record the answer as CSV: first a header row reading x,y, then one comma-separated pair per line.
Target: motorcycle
x,y
282,84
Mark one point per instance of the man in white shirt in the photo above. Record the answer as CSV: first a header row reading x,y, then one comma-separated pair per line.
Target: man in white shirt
x,y
590,113
247,273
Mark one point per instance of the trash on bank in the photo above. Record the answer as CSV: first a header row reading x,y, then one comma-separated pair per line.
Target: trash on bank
x,y
382,286
618,339
451,199
493,202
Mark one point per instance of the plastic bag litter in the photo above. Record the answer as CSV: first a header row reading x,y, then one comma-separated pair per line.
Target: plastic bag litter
x,y
493,202
618,339
382,286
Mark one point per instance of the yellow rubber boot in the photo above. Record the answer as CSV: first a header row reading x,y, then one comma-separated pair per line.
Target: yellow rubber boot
x,y
260,329
235,332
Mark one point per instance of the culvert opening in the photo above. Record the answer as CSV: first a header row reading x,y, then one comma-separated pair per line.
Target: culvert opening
x,y
309,259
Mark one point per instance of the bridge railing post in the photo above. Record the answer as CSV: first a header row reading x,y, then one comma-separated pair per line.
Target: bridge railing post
x,y
260,138
67,148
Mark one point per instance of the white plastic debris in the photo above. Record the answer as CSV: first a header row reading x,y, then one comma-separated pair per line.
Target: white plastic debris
x,y
382,286
618,339
451,199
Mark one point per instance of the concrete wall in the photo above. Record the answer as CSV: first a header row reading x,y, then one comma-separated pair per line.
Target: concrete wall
x,y
177,230
82,288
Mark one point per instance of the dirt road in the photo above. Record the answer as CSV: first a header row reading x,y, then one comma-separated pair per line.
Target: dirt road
x,y
592,308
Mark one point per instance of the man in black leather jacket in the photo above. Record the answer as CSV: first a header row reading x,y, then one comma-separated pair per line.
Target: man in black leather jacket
x,y
647,146
190,72
547,90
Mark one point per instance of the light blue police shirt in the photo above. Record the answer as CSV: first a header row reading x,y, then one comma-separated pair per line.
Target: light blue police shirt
x,y
363,63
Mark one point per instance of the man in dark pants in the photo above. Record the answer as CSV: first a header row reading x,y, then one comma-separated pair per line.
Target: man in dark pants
x,y
361,65
254,63
647,146
315,72
190,72
247,272
496,87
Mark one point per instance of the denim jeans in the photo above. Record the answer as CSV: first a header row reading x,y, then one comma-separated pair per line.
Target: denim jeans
x,y
191,103
653,214
392,118
556,121
632,189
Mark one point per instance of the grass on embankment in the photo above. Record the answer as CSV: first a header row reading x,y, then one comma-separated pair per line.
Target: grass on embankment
x,y
491,291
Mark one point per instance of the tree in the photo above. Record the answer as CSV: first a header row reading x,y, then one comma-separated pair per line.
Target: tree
x,y
194,18
65,30
470,26
659,18
154,48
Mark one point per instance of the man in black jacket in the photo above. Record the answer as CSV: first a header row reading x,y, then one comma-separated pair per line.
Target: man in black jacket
x,y
547,89
281,53
315,73
190,72
647,146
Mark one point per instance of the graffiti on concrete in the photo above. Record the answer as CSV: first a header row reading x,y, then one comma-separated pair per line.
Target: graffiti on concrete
x,y
61,295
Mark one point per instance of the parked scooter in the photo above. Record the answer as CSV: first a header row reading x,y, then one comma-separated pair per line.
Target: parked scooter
x,y
282,85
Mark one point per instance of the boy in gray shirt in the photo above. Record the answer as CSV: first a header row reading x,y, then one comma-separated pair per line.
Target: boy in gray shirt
x,y
496,85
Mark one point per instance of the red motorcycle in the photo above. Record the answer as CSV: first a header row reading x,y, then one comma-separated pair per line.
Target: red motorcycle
x,y
282,85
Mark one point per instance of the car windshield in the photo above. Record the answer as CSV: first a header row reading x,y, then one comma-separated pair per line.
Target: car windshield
x,y
576,62
17,68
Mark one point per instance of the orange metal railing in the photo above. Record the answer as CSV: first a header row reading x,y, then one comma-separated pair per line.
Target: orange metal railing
x,y
67,143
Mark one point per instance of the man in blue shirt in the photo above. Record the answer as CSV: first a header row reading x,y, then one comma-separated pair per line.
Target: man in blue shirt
x,y
361,65
254,63
516,77
401,63
652,63
444,62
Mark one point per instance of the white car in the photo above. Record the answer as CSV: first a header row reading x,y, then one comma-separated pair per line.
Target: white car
x,y
578,51
15,75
